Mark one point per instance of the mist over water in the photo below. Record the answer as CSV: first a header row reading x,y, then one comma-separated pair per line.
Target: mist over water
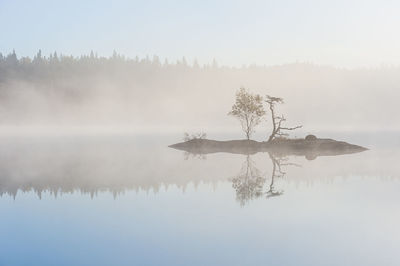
x,y
124,198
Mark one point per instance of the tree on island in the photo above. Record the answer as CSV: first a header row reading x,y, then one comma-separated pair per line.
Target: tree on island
x,y
277,128
249,110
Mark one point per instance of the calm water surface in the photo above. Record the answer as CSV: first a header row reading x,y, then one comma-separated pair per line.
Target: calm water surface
x,y
124,200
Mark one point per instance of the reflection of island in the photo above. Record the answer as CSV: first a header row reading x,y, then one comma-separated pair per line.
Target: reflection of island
x,y
250,183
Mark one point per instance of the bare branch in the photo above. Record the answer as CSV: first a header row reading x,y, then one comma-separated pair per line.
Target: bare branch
x,y
291,128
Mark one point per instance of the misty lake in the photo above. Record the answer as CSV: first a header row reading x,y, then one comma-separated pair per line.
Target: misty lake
x,y
131,200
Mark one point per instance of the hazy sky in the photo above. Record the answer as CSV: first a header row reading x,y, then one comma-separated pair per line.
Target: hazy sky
x,y
341,33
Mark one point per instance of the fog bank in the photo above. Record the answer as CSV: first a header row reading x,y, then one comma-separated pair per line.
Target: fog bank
x,y
145,93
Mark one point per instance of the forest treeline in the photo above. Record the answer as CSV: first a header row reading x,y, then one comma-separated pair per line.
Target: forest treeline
x,y
40,66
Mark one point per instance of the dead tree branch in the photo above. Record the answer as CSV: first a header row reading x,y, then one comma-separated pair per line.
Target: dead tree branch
x,y
277,121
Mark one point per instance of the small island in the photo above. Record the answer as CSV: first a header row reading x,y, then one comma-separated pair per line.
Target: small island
x,y
249,110
311,149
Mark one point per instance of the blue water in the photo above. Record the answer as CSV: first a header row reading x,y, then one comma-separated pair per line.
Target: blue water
x,y
133,201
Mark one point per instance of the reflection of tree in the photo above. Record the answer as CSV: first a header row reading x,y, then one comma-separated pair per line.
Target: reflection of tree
x,y
249,183
276,172
188,155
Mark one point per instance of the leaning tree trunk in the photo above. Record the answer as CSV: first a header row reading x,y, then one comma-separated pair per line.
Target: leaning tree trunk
x,y
271,137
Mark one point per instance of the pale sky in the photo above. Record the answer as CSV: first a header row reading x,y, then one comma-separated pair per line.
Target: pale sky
x,y
339,33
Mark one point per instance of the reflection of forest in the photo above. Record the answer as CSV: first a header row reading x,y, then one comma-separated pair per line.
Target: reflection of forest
x,y
250,183
115,165
93,165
